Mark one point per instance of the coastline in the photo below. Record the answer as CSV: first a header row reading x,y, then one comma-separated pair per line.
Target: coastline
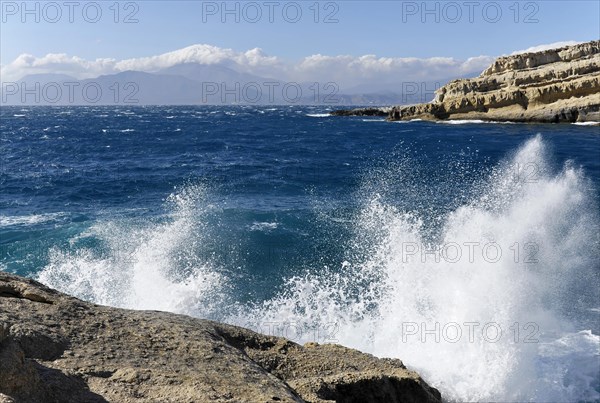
x,y
553,86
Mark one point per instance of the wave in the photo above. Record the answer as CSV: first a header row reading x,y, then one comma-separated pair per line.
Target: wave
x,y
318,115
407,121
490,302
473,121
263,226
33,219
587,123
486,312
148,266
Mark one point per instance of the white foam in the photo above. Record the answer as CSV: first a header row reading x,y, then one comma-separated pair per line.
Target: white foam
x,y
374,301
587,123
263,226
152,266
318,115
407,121
33,219
473,121
568,368
374,298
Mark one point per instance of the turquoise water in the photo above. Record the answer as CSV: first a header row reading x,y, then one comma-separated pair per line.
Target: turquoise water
x,y
413,240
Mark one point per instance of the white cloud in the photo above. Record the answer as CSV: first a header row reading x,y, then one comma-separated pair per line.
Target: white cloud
x,y
346,70
58,63
204,54
548,46
349,70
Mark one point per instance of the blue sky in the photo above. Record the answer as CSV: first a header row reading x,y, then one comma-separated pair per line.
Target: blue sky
x,y
391,29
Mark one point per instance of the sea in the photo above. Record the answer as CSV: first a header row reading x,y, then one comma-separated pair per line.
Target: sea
x,y
469,250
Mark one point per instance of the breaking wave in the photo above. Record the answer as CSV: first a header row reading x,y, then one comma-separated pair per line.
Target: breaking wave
x,y
492,301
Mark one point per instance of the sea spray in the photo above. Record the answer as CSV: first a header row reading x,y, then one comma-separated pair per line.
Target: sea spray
x,y
490,297
492,311
144,266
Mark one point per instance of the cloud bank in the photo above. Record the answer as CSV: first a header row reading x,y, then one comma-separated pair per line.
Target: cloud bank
x,y
548,46
346,70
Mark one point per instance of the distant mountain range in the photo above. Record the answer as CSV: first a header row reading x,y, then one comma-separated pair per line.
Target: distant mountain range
x,y
203,84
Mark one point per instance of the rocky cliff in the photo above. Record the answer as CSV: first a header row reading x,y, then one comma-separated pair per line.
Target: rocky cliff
x,y
56,348
558,85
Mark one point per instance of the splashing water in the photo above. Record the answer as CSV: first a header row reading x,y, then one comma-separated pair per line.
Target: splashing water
x,y
152,267
492,304
490,311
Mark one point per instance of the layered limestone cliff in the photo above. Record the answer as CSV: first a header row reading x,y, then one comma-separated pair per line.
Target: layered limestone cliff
x,y
552,86
56,348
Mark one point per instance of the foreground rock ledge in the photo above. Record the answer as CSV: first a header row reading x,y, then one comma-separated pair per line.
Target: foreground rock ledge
x,y
56,348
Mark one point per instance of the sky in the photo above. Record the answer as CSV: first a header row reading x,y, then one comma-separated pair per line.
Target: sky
x,y
299,39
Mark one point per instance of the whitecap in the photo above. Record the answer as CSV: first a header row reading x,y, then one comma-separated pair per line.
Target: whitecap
x,y
473,121
33,219
263,226
587,123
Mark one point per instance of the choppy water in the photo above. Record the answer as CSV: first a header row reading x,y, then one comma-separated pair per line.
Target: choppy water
x,y
470,251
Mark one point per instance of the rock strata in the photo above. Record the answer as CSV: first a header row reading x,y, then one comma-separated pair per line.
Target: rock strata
x,y
56,348
552,86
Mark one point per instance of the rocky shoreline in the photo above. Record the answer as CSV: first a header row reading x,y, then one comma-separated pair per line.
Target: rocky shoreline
x,y
553,86
56,348
382,112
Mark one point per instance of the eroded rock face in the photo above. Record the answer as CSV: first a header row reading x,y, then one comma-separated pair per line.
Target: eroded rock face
x,y
55,348
553,86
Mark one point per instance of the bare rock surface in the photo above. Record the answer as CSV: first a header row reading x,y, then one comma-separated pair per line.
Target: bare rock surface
x,y
56,348
552,86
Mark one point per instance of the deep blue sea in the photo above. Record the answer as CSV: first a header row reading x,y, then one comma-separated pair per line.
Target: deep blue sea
x,y
469,250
